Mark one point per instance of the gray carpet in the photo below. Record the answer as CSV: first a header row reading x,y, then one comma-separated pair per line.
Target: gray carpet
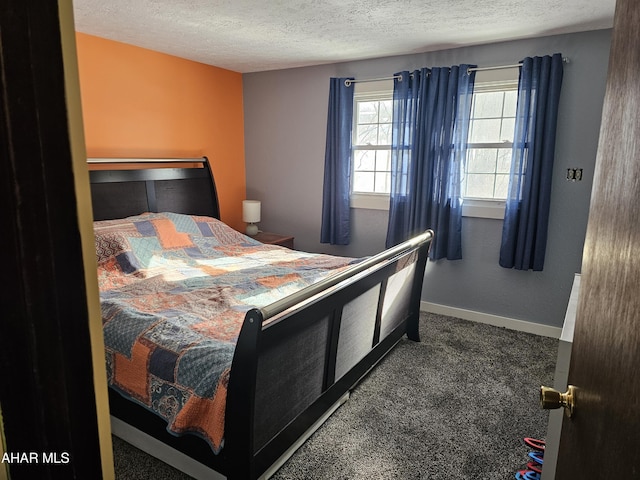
x,y
454,406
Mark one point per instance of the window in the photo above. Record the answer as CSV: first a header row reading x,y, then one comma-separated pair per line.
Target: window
x,y
371,147
488,162
490,143
490,138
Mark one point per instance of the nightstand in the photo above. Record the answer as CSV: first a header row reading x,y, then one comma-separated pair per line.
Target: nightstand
x,y
274,239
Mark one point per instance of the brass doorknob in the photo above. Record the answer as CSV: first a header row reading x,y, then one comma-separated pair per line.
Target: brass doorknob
x,y
550,398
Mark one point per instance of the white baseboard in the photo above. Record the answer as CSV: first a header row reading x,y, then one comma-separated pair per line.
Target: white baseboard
x,y
495,320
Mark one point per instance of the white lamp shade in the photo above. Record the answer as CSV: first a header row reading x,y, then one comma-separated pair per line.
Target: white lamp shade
x,y
250,211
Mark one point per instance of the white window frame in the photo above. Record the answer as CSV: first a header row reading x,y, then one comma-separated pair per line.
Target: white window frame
x,y
377,90
486,81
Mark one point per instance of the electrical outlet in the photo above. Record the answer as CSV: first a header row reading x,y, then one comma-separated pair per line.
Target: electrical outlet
x,y
578,174
574,174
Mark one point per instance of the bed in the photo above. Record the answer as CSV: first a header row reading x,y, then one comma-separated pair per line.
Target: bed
x,y
224,354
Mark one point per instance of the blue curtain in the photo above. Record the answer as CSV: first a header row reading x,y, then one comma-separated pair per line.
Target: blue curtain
x,y
524,233
335,227
431,110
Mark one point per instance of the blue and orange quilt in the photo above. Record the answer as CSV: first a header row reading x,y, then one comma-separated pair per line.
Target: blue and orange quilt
x,y
174,291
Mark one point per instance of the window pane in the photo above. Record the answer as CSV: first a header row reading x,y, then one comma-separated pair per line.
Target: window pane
x,y
367,112
383,160
479,185
364,160
485,131
481,160
383,180
367,134
384,134
508,126
386,111
504,160
502,186
510,100
488,105
363,181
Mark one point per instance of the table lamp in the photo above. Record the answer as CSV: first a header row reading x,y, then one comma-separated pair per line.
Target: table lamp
x,y
251,215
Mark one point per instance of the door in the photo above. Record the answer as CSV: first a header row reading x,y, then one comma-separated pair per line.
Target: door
x,y
54,421
602,440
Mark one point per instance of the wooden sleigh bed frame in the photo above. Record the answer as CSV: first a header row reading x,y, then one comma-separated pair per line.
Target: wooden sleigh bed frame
x,y
288,374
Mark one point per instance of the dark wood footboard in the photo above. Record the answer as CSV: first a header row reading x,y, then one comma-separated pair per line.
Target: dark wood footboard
x,y
297,357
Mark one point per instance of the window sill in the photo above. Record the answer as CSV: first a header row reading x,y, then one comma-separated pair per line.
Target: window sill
x,y
470,208
371,201
484,209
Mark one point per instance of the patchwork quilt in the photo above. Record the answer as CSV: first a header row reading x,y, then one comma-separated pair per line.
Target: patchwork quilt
x,y
174,290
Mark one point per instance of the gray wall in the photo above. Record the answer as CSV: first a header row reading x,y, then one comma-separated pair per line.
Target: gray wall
x,y
285,125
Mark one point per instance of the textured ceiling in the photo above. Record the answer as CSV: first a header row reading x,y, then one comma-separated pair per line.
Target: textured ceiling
x,y
257,35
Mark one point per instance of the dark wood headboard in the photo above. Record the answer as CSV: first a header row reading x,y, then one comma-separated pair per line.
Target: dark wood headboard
x,y
125,187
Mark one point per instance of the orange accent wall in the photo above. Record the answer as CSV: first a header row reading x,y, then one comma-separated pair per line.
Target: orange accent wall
x,y
141,103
